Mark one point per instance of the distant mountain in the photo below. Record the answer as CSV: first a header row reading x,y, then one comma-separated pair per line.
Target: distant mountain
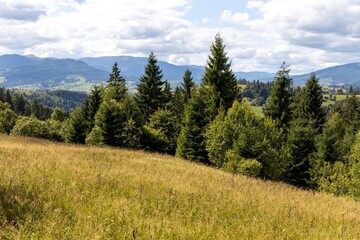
x,y
348,74
31,72
133,67
52,74
10,61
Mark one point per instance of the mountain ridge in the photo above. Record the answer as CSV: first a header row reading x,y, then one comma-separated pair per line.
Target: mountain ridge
x,y
32,72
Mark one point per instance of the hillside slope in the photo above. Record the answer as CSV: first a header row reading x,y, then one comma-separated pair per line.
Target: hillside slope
x,y
59,191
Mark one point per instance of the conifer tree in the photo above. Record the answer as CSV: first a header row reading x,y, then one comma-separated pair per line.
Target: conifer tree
x,y
278,106
218,78
115,78
310,105
150,95
167,93
92,104
191,141
116,88
76,128
187,84
110,120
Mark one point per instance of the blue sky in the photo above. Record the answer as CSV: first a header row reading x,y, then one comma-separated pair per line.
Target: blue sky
x,y
259,34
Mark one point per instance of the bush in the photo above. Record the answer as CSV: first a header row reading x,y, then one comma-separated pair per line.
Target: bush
x,y
7,120
95,137
247,167
33,127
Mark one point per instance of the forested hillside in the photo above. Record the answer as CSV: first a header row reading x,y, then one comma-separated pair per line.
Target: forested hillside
x,y
296,141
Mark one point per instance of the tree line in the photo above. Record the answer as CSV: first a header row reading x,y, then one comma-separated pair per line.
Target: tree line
x,y
297,141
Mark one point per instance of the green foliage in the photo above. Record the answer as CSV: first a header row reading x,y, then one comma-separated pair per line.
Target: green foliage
x,y
39,110
162,124
167,94
33,127
279,102
95,137
191,141
150,91
77,127
110,119
310,106
131,135
256,91
242,135
248,167
354,168
187,85
153,139
7,120
116,79
218,78
333,178
300,146
93,103
58,115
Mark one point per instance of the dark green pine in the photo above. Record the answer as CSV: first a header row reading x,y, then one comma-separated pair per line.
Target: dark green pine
x,y
219,78
278,106
186,85
150,95
311,103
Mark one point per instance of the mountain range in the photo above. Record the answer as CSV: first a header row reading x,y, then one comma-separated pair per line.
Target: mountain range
x,y
31,72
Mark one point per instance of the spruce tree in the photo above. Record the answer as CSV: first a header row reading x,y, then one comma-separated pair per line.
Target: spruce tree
x,y
167,93
278,106
150,95
92,104
116,88
110,120
310,105
187,84
218,78
191,141
76,128
115,78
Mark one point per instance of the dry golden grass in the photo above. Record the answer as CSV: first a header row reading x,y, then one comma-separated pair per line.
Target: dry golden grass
x,y
59,191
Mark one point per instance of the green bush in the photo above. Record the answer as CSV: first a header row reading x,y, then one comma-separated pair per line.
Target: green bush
x,y
33,127
247,167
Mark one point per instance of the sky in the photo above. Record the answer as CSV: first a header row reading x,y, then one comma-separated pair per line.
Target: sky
x,y
259,34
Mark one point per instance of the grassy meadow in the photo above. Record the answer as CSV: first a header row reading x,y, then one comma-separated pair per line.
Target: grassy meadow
x,y
59,191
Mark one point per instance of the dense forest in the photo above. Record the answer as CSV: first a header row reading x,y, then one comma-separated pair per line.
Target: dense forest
x,y
297,141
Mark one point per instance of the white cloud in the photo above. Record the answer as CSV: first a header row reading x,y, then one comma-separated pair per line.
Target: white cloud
x,y
229,16
254,4
307,34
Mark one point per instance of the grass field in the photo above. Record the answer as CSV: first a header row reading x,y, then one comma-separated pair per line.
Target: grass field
x,y
59,191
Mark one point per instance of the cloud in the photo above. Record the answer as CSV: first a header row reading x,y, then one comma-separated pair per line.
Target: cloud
x,y
307,34
229,16
254,4
20,11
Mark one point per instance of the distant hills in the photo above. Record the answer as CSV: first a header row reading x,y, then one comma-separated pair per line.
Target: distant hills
x,y
348,74
31,72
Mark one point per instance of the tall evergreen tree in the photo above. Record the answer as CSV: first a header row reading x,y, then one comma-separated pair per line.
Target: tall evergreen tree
x,y
187,84
150,95
110,120
76,128
218,78
92,105
115,78
310,105
279,102
167,93
191,141
116,88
